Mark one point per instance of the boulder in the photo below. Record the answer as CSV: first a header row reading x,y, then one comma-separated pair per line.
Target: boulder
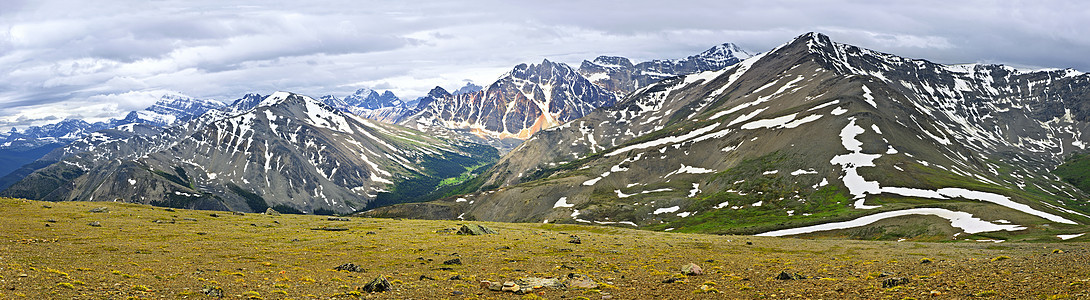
x,y
789,276
271,212
538,282
692,269
895,281
580,281
350,267
474,229
378,285
456,261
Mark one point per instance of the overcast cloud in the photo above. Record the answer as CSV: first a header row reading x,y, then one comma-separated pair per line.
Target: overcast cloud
x,y
76,59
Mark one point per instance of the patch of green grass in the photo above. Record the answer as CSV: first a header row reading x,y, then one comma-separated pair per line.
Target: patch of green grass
x,y
1076,171
468,174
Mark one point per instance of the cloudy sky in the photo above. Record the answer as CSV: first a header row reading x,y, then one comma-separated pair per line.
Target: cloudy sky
x,y
74,59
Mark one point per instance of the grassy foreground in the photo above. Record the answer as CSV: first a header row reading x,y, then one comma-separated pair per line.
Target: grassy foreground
x,y
48,251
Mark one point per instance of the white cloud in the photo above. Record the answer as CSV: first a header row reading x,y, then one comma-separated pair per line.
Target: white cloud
x,y
218,50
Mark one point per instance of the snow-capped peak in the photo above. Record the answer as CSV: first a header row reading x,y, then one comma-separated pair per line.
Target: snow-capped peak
x,y
725,51
275,98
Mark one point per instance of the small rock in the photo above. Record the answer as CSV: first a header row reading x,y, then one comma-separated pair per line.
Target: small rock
x,y
23,275
580,281
169,209
503,248
337,219
324,228
371,232
51,221
895,281
708,289
238,213
350,267
424,277
213,291
456,293
94,224
538,282
447,230
495,286
935,293
925,260
455,277
163,221
100,210
271,212
214,215
189,219
475,229
749,243
46,206
692,269
671,280
456,261
884,274
510,286
574,239
378,285
789,276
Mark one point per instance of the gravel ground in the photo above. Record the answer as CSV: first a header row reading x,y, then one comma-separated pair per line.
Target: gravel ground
x,y
49,250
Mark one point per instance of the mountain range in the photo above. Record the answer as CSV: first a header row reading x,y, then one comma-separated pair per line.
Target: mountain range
x,y
618,74
288,152
812,138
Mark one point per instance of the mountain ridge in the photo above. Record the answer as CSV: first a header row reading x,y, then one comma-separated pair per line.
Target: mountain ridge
x,y
878,141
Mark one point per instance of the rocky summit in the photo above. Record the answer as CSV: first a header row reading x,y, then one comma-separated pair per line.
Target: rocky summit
x,y
620,76
529,98
812,138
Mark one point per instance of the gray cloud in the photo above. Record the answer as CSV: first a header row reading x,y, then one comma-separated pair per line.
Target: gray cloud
x,y
121,55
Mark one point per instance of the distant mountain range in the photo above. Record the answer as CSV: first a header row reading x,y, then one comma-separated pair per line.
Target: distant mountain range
x,y
620,76
288,152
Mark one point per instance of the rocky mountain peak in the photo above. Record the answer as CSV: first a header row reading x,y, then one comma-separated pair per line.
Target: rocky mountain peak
x,y
370,99
609,62
468,88
725,51
619,75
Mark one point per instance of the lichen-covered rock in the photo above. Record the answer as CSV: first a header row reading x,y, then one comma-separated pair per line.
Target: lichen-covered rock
x,y
378,285
475,229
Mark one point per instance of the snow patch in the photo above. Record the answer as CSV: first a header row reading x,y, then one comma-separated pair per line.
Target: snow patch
x,y
562,203
962,220
667,210
1069,236
801,172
